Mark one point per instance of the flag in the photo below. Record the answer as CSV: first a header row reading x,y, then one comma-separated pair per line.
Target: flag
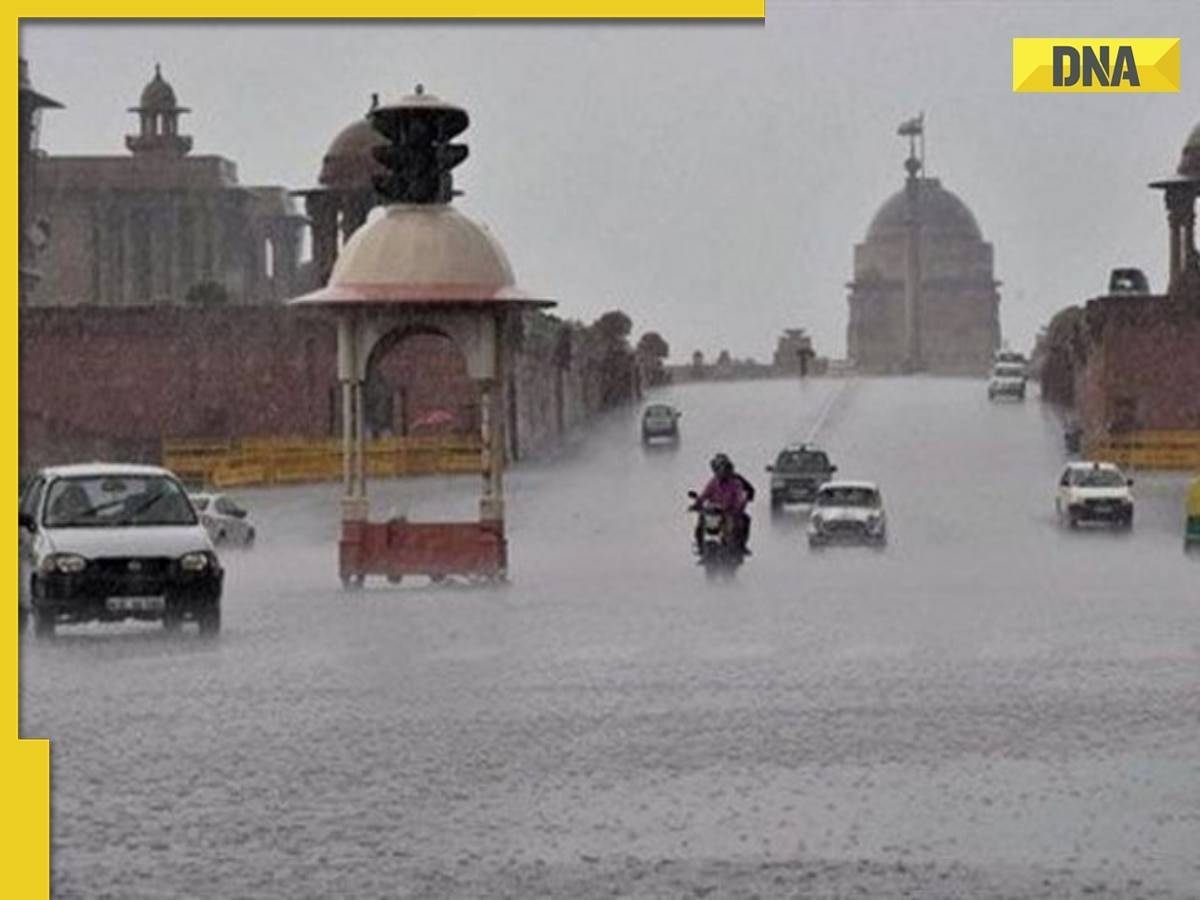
x,y
915,125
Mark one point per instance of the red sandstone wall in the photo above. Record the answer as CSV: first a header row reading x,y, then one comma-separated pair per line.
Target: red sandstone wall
x,y
1144,361
113,382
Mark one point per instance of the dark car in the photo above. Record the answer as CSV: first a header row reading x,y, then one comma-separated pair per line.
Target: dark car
x,y
660,422
797,474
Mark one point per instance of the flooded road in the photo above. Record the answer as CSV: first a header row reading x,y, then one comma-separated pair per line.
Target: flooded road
x,y
993,706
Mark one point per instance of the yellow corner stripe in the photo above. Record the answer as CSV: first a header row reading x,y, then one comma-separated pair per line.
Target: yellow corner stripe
x,y
455,9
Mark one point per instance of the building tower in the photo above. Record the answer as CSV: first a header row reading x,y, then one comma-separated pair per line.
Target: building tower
x,y
158,114
345,192
31,234
1180,192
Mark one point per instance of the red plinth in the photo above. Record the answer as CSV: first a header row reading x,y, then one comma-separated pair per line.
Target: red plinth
x,y
436,549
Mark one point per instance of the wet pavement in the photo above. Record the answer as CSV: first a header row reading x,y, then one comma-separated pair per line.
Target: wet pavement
x,y
993,706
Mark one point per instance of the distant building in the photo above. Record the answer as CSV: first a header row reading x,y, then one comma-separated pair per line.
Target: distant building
x,y
923,296
794,352
159,226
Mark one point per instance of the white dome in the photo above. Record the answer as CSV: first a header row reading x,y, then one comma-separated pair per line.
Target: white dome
x,y
422,245
419,254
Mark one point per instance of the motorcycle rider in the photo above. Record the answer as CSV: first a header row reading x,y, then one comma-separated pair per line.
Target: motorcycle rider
x,y
730,492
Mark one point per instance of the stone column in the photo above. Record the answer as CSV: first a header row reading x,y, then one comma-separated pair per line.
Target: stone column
x,y
354,498
321,210
1188,251
1181,218
492,408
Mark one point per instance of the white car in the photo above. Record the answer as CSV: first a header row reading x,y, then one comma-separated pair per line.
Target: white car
x,y
847,511
1008,380
1094,492
106,542
226,521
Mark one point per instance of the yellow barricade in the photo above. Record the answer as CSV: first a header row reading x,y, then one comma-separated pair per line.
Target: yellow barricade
x,y
294,460
237,474
1167,450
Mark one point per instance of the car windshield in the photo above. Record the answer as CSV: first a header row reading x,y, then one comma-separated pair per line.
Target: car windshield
x,y
99,501
659,412
1009,371
1099,478
848,496
801,460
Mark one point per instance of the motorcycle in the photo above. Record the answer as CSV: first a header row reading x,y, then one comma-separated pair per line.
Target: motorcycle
x,y
719,547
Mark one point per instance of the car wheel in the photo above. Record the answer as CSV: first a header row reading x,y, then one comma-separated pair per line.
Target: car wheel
x,y
209,619
353,582
249,542
1072,520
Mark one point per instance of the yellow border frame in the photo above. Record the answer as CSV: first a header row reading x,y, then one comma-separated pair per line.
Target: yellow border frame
x,y
25,764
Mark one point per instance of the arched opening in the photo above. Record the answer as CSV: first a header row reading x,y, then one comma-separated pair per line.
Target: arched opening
x,y
417,385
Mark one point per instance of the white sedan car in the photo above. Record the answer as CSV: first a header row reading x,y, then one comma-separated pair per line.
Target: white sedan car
x,y
225,520
1094,492
107,542
847,511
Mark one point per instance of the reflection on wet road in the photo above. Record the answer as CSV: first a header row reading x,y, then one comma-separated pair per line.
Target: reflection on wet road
x,y
991,707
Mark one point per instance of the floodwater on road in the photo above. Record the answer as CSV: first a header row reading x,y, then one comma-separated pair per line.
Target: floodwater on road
x,y
992,706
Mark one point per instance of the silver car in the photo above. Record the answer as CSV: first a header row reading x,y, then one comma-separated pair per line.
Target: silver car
x,y
225,521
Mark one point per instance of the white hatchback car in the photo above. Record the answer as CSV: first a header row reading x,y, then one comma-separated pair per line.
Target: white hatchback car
x,y
106,542
226,521
847,511
1094,492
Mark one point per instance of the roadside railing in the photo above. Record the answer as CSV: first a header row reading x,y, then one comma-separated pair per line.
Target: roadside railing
x,y
296,460
1178,450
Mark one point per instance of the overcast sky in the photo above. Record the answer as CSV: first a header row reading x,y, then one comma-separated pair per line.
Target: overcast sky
x,y
710,179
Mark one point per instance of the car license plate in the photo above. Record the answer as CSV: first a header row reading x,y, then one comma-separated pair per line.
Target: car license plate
x,y
134,604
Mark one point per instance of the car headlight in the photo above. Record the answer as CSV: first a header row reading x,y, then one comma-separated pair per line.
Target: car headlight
x,y
64,563
195,562
778,481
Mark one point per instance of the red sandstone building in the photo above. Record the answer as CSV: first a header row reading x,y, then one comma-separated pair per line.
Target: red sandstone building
x,y
160,225
1129,364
